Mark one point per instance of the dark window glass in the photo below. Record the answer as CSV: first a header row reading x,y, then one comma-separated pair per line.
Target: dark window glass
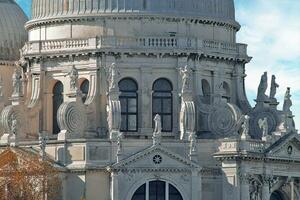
x,y
58,99
206,91
129,105
84,87
162,103
157,190
174,193
140,194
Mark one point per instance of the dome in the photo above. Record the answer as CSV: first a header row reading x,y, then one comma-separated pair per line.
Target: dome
x,y
212,9
12,31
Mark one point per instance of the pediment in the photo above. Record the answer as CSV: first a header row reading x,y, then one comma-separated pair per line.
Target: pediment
x,y
287,148
157,158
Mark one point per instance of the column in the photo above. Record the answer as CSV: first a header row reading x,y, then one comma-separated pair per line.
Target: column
x,y
196,184
244,185
293,197
114,186
266,188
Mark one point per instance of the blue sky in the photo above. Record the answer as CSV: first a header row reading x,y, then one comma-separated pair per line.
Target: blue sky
x,y
271,28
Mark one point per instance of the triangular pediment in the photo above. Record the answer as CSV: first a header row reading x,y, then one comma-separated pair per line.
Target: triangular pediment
x,y
287,148
155,157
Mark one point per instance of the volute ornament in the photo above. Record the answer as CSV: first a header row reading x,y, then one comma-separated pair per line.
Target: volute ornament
x,y
223,119
72,118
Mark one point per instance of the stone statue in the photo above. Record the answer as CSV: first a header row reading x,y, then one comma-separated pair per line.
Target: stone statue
x,y
186,79
274,87
157,130
42,144
1,87
113,77
287,101
263,124
119,143
14,124
245,127
262,88
17,82
73,78
193,140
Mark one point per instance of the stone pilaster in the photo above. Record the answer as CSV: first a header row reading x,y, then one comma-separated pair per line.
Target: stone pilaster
x,y
244,186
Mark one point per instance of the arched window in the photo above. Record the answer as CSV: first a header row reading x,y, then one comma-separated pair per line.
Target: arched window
x,y
157,190
162,103
277,196
58,99
226,91
129,105
206,91
84,88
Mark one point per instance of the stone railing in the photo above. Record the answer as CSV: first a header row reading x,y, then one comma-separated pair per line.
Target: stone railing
x,y
137,43
232,146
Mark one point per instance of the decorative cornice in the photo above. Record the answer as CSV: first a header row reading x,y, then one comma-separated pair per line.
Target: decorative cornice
x,y
132,16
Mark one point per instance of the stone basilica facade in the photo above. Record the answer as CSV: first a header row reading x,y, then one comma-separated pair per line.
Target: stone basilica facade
x,y
144,100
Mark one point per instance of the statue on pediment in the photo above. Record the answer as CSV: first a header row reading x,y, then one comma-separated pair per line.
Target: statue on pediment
x,y
245,127
186,75
73,78
264,126
113,77
42,145
262,88
274,87
1,87
14,124
157,130
287,101
17,82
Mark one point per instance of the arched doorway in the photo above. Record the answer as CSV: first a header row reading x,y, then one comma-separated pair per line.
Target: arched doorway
x,y
157,190
277,196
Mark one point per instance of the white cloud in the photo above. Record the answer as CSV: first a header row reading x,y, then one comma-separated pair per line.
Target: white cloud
x,y
272,31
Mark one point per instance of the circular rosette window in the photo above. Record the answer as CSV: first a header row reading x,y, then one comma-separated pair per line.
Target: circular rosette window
x,y
72,117
223,119
256,115
12,119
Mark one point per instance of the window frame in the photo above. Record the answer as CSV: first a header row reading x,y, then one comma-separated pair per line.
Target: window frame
x,y
55,111
163,98
127,97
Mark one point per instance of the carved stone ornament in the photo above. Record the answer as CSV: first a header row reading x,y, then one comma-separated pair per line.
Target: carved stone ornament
x,y
114,118
187,119
223,119
255,131
72,118
11,120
